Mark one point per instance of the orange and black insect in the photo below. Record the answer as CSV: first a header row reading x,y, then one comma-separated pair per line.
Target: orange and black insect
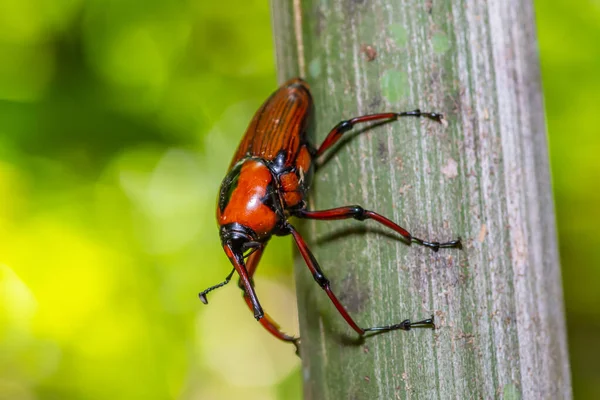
x,y
267,184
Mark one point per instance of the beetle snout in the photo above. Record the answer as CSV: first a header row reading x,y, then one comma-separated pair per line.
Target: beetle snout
x,y
237,236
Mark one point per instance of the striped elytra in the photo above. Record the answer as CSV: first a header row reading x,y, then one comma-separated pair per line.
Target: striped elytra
x,y
280,124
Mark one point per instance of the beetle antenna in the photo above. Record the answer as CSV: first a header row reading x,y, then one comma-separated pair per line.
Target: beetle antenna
x,y
202,294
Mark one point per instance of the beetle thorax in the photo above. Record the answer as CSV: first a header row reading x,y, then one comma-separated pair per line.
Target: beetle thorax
x,y
248,198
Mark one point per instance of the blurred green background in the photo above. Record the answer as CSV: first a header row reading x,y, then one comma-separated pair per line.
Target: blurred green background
x,y
117,122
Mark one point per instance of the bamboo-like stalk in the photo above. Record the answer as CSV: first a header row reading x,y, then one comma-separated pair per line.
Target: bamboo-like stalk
x,y
483,176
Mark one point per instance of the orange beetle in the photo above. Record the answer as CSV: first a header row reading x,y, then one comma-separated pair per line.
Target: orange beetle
x,y
267,183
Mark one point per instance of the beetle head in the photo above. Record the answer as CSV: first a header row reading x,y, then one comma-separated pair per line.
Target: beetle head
x,y
240,239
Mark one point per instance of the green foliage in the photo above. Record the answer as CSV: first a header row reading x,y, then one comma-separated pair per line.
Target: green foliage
x,y
117,123
570,59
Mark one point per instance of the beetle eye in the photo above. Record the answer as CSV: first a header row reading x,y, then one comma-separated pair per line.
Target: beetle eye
x,y
228,186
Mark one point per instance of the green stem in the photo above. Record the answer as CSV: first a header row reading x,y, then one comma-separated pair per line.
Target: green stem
x,y
483,175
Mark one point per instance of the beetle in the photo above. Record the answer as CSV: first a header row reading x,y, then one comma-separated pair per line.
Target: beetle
x,y
267,183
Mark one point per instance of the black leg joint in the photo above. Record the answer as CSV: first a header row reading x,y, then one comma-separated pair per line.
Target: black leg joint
x,y
321,280
345,126
259,314
358,213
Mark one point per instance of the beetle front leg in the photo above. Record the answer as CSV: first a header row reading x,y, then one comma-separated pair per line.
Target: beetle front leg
x,y
320,278
266,321
360,214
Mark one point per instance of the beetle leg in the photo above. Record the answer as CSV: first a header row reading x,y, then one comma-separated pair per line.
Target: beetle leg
x,y
320,278
359,213
238,263
344,126
266,321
